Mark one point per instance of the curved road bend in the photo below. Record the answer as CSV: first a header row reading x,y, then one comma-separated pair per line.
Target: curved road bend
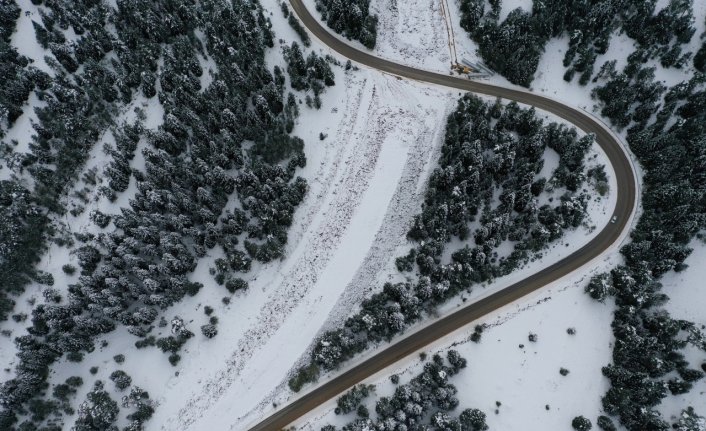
x,y
626,199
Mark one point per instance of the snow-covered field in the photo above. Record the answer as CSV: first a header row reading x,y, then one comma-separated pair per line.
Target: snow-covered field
x,y
364,177
412,32
524,379
358,262
549,77
21,131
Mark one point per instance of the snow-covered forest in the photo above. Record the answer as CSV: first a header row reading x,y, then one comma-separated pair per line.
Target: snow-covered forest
x,y
641,65
204,211
664,127
216,169
490,186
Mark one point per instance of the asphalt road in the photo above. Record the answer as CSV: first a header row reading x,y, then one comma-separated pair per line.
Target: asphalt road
x,y
626,199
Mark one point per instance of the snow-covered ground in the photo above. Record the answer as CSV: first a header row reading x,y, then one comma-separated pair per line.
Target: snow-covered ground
x,y
364,263
412,32
57,256
524,379
24,42
599,211
415,33
507,6
561,305
549,79
499,370
19,136
366,178
23,39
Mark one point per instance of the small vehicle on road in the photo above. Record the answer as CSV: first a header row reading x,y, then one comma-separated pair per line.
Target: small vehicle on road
x,y
614,219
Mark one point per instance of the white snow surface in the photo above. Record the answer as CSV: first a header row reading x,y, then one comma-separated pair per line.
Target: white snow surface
x,y
56,256
20,135
549,79
25,43
365,182
24,40
366,179
412,32
524,379
340,285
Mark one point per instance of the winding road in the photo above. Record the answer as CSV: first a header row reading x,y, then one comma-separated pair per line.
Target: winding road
x,y
608,237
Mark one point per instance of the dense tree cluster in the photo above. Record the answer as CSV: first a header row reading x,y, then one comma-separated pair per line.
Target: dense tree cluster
x,y
352,399
195,161
19,77
77,107
489,150
514,46
98,412
422,404
21,238
689,421
629,96
79,103
350,19
209,330
700,56
581,423
121,379
313,74
667,133
22,221
662,34
511,48
119,171
296,25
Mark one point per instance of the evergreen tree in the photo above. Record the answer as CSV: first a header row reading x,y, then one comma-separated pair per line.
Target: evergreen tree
x,y
98,412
